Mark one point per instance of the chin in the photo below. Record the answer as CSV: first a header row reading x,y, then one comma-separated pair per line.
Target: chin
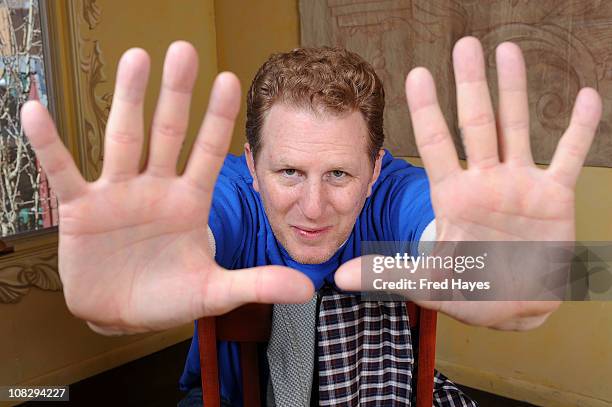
x,y
307,257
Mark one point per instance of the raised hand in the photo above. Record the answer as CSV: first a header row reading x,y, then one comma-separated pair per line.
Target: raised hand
x,y
133,246
502,195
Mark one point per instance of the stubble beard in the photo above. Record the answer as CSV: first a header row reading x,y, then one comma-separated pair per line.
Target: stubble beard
x,y
309,259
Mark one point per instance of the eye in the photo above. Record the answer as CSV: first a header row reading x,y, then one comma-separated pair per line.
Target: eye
x,y
289,172
337,174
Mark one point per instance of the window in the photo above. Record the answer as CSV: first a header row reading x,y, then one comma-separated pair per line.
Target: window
x,y
26,201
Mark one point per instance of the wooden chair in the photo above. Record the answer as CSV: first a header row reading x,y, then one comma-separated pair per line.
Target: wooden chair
x,y
251,324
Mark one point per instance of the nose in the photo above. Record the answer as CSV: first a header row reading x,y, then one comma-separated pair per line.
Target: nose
x,y
312,199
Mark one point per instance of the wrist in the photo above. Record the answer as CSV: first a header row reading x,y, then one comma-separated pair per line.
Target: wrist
x,y
107,330
528,315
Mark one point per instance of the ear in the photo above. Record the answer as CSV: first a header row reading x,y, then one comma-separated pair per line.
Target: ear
x,y
376,173
251,164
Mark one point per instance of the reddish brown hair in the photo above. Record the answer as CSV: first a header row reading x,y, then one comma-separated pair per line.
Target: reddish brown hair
x,y
330,80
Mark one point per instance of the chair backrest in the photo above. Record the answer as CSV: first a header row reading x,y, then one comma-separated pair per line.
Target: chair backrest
x,y
426,321
251,324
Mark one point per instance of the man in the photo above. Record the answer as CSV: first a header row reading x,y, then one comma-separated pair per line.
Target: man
x,y
313,158
142,263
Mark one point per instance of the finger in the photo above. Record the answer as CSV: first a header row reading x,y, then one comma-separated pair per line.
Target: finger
x,y
214,137
358,275
476,118
575,143
55,159
172,113
513,104
431,133
268,285
385,274
124,131
348,276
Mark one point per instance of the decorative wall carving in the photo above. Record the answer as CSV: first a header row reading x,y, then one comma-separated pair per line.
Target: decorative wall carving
x,y
94,107
20,274
91,13
567,45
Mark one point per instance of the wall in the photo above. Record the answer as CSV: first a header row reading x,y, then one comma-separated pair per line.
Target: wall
x,y
566,362
153,26
41,342
247,33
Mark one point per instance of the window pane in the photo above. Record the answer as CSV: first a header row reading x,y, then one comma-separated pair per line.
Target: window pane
x,y
26,201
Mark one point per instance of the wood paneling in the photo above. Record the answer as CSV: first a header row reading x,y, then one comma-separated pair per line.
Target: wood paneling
x,y
566,44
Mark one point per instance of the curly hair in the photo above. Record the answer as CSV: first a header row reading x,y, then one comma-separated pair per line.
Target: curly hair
x,y
329,80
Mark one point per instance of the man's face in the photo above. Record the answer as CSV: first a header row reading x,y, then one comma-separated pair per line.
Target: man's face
x,y
313,174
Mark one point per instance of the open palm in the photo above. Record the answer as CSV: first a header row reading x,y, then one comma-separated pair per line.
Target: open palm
x,y
502,195
134,246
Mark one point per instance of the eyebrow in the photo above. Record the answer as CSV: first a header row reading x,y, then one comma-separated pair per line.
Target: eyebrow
x,y
281,160
281,163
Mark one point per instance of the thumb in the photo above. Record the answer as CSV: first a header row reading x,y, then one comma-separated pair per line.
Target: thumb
x,y
348,276
267,285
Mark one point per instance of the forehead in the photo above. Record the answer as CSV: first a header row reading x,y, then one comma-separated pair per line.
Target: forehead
x,y
293,134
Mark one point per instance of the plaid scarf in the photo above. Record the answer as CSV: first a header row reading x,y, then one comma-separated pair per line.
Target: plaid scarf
x,y
365,355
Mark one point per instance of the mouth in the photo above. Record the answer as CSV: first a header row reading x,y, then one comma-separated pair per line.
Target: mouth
x,y
310,233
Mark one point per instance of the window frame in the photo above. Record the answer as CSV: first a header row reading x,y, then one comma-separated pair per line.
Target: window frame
x,y
74,68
